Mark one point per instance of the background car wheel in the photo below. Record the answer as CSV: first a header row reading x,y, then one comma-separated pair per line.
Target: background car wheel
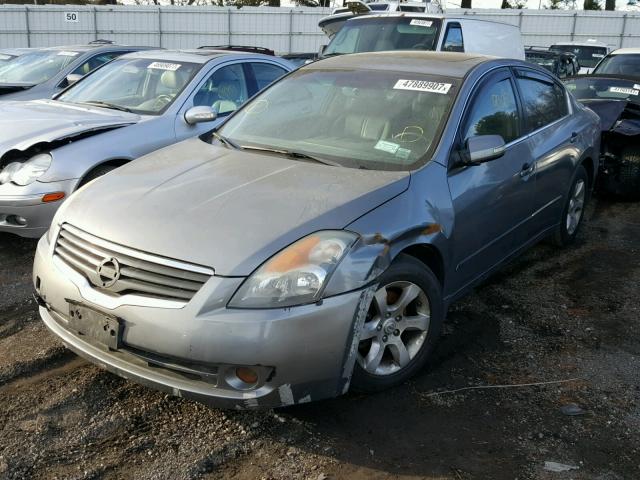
x,y
629,175
402,326
95,173
573,211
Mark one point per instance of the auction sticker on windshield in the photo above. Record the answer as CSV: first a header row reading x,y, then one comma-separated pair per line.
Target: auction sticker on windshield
x,y
625,91
421,23
422,86
172,67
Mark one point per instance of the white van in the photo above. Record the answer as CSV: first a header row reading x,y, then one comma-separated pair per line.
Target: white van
x,y
423,31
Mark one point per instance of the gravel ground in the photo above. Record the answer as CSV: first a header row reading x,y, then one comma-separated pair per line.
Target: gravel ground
x,y
568,316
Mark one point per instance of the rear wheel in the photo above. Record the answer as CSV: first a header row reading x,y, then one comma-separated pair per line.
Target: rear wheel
x,y
573,211
402,326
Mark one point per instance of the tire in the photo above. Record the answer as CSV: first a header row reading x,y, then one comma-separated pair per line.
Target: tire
x,y
95,173
573,211
406,276
629,175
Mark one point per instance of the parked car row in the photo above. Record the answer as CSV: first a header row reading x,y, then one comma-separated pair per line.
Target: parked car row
x,y
271,234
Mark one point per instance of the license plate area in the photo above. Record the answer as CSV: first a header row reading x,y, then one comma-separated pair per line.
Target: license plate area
x,y
96,326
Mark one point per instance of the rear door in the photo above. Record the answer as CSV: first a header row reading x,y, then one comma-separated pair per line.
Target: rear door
x,y
553,133
492,201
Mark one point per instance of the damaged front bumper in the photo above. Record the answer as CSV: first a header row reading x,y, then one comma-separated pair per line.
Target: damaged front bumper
x,y
28,211
299,354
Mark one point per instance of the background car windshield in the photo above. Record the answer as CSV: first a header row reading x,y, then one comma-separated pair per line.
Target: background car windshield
x,y
378,120
141,85
374,35
620,65
589,88
36,67
587,56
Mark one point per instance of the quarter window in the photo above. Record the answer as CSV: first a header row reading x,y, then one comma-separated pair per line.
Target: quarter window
x,y
494,112
543,102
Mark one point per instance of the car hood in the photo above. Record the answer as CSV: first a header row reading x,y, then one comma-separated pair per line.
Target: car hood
x,y
226,209
610,111
24,124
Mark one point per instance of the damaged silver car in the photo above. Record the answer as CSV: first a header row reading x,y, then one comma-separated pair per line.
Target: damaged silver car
x,y
314,242
132,106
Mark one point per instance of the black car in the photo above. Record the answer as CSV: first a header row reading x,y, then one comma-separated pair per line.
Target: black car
x,y
616,100
561,64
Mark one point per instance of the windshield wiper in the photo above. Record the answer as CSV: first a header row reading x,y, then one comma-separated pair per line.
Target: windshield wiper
x,y
292,154
98,103
226,141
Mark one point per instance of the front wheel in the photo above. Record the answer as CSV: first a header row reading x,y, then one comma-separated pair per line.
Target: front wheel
x,y
402,326
573,211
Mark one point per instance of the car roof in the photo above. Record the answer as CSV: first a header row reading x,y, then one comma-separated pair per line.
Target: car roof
x,y
626,51
447,64
437,16
89,47
200,55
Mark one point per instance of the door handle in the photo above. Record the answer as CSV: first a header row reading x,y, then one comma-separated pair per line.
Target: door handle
x,y
527,169
574,137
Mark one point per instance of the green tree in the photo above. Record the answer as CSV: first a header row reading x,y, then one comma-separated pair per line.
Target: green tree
x,y
592,5
465,4
610,5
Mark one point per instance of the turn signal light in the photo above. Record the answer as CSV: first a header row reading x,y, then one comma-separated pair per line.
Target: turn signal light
x,y
247,375
52,197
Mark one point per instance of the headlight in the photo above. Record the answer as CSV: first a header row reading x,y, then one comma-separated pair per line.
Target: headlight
x,y
27,172
297,274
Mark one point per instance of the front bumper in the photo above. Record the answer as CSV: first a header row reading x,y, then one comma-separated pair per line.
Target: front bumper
x,y
26,202
302,353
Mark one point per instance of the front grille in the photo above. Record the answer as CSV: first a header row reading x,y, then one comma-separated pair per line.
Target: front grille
x,y
120,270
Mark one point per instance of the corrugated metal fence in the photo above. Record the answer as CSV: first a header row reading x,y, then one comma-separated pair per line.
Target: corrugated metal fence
x,y
282,29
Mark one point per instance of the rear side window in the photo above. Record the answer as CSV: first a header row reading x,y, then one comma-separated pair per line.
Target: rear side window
x,y
453,39
494,112
543,102
266,73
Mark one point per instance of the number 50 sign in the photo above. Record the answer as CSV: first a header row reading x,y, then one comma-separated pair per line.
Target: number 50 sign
x,y
71,17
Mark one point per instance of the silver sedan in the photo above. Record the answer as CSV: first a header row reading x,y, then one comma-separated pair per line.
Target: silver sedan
x,y
314,242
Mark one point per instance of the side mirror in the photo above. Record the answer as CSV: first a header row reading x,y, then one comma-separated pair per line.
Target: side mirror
x,y
200,115
73,78
484,148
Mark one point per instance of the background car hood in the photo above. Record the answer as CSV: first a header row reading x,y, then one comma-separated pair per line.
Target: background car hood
x,y
24,124
226,209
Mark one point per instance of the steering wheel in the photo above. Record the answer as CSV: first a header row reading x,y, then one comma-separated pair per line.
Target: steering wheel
x,y
410,134
161,101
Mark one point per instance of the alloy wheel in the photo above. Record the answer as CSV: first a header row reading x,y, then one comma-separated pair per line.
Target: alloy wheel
x,y
395,329
576,204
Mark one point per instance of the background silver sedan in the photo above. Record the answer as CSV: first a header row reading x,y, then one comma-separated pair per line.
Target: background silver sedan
x,y
134,105
317,239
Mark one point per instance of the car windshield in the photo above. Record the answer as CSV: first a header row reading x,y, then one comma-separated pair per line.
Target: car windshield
x,y
378,34
35,67
620,65
588,56
380,120
593,88
144,86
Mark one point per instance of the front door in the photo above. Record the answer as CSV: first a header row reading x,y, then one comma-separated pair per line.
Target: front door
x,y
492,201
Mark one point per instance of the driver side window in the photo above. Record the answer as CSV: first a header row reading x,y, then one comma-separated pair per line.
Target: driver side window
x,y
494,112
225,90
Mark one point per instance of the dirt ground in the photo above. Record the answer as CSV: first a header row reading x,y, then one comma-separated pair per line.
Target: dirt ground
x,y
567,316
